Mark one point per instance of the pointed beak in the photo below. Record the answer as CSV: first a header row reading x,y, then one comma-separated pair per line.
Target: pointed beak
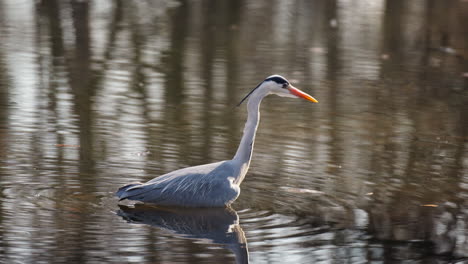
x,y
294,91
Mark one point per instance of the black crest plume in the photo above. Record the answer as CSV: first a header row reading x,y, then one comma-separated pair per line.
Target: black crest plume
x,y
276,78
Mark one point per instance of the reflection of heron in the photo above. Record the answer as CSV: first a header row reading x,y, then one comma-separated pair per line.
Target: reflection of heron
x,y
215,184
219,225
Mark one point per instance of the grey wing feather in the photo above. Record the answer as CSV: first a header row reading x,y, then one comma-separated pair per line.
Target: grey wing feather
x,y
182,185
120,193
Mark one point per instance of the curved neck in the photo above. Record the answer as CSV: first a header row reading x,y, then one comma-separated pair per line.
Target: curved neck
x,y
244,152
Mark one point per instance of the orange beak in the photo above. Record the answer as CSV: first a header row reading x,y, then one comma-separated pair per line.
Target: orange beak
x,y
294,91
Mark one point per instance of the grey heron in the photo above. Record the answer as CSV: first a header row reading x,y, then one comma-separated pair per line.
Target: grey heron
x,y
215,184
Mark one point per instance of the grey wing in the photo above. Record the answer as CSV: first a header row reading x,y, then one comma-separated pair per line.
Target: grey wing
x,y
141,192
160,188
185,186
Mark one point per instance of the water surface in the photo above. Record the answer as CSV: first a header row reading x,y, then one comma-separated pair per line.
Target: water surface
x,y
97,94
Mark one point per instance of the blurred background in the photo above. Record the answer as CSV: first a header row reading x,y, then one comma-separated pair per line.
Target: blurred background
x,y
96,94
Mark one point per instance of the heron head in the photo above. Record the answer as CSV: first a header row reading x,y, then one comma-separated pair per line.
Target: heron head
x,y
277,84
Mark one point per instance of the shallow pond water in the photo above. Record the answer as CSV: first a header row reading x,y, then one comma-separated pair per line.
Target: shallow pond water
x,y
97,94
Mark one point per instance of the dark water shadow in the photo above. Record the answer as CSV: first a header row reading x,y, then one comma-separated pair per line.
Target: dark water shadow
x,y
217,225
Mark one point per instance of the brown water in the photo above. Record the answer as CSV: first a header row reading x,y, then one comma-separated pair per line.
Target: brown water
x,y
97,94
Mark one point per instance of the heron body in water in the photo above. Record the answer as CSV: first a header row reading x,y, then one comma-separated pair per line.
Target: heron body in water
x,y
215,184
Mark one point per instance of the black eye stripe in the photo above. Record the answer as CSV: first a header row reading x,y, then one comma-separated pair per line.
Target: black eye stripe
x,y
278,80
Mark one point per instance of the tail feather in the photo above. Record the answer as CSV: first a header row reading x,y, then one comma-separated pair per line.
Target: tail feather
x,y
121,192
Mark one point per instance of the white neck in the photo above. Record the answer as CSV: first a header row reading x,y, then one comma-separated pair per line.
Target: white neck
x,y
244,152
